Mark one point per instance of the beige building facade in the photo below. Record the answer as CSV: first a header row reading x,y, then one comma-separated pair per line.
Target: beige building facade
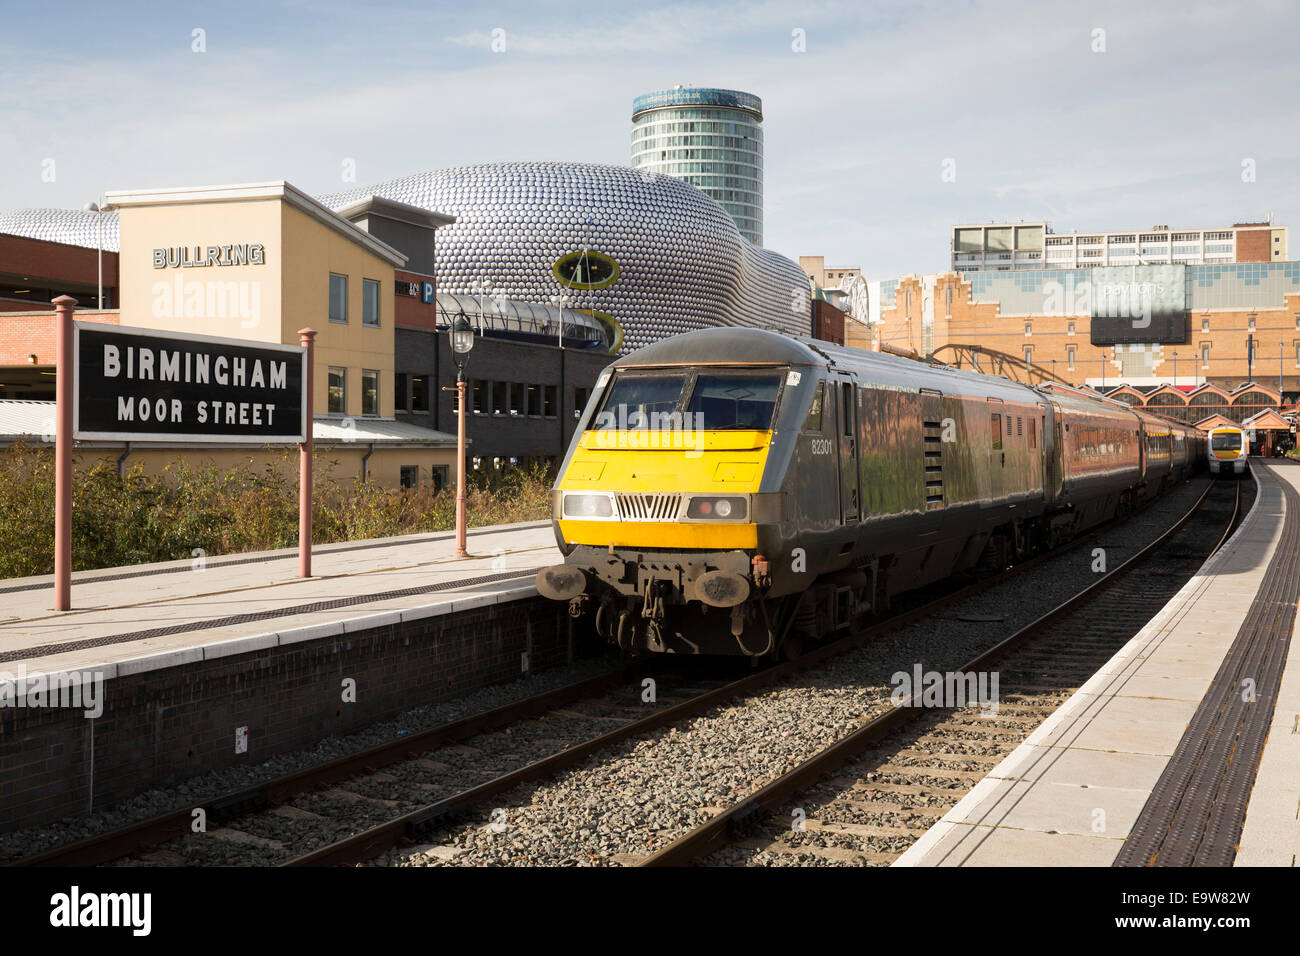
x,y
260,262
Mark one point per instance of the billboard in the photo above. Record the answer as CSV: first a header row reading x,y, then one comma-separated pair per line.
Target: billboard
x,y
133,384
1139,304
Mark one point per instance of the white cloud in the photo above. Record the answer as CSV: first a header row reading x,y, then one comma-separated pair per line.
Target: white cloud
x,y
855,128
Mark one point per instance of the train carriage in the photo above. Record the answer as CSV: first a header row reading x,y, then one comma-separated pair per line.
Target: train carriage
x,y
734,490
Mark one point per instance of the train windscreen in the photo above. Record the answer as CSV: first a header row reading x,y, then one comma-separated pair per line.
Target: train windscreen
x,y
734,400
641,401
1226,441
704,400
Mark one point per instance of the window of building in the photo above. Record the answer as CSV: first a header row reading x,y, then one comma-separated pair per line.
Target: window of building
x,y
338,298
480,393
369,392
1029,328
535,400
1205,323
440,477
338,391
401,397
419,393
410,476
1069,328
1029,355
518,398
549,401
947,302
1250,323
1296,343
580,396
370,302
500,398
1069,356
1205,355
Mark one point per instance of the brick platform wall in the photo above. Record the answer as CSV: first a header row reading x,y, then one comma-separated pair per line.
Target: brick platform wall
x,y
165,726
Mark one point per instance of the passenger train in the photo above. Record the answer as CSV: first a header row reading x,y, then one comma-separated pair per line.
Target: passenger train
x,y
740,491
1227,451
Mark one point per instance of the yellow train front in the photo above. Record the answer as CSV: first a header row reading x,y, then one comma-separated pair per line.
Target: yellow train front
x,y
660,505
1228,450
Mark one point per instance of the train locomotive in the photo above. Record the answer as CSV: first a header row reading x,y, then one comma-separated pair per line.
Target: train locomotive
x,y
741,491
1227,450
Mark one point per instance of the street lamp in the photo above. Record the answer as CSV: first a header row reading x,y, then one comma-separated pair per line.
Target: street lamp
x,y
99,211
480,286
462,340
561,302
1175,368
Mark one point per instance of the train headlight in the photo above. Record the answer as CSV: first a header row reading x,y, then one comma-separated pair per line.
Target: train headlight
x,y
588,506
727,509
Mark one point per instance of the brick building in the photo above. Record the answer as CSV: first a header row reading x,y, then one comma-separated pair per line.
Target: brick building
x,y
1042,320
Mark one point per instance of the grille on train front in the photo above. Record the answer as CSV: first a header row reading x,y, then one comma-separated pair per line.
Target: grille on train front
x,y
648,507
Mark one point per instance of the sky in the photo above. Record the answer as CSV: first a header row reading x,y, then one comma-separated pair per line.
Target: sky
x,y
885,123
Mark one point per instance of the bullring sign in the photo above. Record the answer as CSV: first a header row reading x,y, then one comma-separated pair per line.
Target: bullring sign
x,y
134,384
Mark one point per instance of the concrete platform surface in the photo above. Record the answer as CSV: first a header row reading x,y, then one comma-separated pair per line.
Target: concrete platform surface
x,y
133,619
1070,794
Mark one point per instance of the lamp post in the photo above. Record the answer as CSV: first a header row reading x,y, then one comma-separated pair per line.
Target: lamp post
x,y
462,340
99,211
1175,368
561,302
480,286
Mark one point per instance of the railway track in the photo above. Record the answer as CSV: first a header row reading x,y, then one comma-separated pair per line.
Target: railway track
x,y
866,799
343,812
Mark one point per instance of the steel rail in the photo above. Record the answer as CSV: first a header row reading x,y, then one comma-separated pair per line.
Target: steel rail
x,y
146,833
715,832
413,825
123,841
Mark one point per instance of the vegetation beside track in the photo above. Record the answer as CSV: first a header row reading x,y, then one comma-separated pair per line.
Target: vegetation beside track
x,y
137,518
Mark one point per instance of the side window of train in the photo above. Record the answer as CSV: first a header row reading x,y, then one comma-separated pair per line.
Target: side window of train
x,y
997,432
846,409
1033,433
814,420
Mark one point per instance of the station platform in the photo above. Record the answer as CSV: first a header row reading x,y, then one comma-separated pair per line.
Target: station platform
x,y
145,617
1110,777
162,673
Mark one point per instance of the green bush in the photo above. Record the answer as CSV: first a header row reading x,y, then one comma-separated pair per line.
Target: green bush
x,y
137,518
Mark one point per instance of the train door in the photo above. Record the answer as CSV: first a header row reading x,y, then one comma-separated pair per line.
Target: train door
x,y
1142,451
1046,450
847,450
997,449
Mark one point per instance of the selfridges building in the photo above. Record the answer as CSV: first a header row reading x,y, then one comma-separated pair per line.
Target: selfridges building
x,y
648,254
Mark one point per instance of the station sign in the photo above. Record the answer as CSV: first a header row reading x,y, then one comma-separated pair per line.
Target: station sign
x,y
132,384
